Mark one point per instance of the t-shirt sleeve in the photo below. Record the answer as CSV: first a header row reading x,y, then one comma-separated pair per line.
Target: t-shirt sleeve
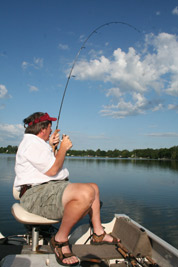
x,y
41,157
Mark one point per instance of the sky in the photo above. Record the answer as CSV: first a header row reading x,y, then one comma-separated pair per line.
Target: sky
x,y
123,89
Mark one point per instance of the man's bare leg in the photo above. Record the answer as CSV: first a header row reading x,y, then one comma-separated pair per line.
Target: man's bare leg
x,y
95,215
78,200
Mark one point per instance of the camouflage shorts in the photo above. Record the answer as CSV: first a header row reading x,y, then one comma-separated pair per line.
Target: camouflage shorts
x,y
45,199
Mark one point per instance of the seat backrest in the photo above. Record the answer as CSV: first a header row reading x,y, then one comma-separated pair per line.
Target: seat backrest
x,y
16,193
135,239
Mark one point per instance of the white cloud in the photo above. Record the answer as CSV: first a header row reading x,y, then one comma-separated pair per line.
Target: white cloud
x,y
4,92
123,108
115,91
158,107
94,70
33,88
94,54
12,129
37,63
173,107
25,65
175,11
169,134
11,133
63,46
82,38
141,81
173,88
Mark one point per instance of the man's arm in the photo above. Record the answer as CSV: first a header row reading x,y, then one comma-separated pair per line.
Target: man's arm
x,y
66,144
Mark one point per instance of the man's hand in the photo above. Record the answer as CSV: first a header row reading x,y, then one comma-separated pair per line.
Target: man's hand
x,y
54,138
66,142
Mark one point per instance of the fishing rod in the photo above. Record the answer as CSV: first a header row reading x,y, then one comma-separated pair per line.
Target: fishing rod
x,y
82,47
132,260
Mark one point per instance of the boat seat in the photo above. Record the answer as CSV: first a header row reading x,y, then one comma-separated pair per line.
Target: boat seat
x,y
135,239
25,217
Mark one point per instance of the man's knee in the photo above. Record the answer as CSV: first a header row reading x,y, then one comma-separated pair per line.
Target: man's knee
x,y
84,193
95,187
87,194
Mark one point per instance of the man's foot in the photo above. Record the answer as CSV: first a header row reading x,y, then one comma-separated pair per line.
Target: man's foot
x,y
63,254
104,239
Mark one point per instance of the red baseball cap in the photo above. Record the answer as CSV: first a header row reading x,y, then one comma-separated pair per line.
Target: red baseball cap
x,y
44,117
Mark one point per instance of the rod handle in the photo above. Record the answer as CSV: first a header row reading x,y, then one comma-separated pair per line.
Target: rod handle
x,y
153,263
54,146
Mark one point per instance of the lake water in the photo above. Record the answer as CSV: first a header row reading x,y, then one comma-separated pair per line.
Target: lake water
x,y
145,190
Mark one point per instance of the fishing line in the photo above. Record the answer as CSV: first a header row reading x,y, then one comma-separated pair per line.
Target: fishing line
x,y
75,60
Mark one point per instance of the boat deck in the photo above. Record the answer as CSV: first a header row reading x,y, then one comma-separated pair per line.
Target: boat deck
x,y
137,244
89,255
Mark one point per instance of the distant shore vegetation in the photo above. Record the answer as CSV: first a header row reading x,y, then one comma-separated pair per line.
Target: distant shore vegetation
x,y
148,153
9,150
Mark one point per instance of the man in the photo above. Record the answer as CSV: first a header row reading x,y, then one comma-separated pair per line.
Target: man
x,y
46,191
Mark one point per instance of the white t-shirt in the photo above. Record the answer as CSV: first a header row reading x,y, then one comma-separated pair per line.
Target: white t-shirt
x,y
34,158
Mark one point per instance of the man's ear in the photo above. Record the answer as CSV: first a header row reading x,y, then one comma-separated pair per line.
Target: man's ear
x,y
41,133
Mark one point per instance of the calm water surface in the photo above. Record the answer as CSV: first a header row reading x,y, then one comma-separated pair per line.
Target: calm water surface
x,y
145,190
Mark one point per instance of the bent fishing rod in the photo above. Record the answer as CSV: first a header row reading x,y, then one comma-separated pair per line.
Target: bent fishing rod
x,y
82,47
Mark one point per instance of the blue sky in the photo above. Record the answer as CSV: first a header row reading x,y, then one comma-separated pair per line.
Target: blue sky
x,y
124,93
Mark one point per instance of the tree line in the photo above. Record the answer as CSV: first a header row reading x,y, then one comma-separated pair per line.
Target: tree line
x,y
9,149
148,153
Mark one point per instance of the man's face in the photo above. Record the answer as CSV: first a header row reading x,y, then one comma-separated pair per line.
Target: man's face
x,y
47,132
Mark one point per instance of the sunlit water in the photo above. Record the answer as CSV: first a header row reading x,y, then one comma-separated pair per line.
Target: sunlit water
x,y
145,190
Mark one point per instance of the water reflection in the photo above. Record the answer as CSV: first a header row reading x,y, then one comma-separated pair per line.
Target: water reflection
x,y
145,190
143,163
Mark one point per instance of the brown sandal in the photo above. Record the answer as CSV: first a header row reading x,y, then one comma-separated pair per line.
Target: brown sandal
x,y
98,239
57,249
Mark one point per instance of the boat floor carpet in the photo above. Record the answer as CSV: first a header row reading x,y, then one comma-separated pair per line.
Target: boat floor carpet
x,y
96,252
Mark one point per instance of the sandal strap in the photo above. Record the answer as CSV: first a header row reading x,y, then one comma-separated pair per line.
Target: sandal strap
x,y
55,243
68,255
115,240
98,238
57,248
61,244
